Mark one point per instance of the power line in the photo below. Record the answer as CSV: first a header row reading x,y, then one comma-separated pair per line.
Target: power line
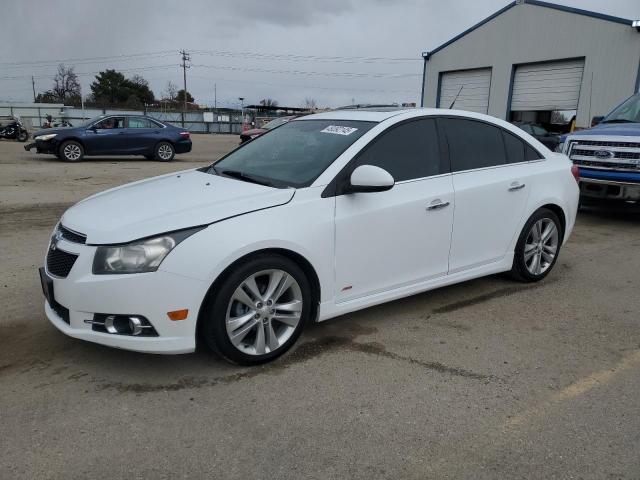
x,y
308,73
312,58
73,60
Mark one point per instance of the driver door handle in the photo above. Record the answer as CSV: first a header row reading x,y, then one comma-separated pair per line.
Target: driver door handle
x,y
516,186
437,205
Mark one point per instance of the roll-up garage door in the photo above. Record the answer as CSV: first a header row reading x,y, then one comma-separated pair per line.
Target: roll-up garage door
x,y
471,87
547,86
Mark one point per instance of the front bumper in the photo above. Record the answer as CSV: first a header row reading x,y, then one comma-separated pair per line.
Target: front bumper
x,y
150,295
48,146
610,185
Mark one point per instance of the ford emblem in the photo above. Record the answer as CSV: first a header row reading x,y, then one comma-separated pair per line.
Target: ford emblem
x,y
603,154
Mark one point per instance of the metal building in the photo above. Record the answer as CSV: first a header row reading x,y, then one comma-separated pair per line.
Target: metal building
x,y
535,61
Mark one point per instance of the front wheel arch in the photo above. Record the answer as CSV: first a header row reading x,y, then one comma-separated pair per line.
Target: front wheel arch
x,y
301,261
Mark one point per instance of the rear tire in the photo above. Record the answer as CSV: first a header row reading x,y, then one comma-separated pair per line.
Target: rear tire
x,y
258,310
71,151
538,247
23,137
164,152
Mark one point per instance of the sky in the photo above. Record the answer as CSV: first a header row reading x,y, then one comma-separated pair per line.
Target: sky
x,y
336,52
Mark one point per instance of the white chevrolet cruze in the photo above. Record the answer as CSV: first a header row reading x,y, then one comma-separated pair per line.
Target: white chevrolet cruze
x,y
327,214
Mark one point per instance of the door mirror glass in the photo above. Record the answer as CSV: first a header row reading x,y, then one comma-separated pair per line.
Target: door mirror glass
x,y
367,178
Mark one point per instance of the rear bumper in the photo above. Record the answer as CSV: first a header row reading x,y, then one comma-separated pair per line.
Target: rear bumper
x,y
183,146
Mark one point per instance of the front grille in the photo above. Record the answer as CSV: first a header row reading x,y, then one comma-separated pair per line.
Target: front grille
x,y
604,155
59,262
72,236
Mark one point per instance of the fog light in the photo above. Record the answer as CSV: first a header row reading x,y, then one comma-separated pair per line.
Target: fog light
x,y
134,325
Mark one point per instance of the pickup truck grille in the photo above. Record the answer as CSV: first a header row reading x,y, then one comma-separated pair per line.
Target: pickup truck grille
x,y
622,156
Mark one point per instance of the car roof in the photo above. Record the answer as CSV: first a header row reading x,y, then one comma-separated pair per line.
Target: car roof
x,y
367,115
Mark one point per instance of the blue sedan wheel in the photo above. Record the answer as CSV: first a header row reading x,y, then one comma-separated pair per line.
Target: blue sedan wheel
x,y
164,152
71,151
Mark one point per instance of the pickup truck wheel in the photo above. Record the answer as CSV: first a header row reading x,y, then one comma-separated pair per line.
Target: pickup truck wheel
x,y
71,151
538,247
164,152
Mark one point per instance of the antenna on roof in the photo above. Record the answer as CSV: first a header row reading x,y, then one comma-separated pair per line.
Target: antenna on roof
x,y
454,100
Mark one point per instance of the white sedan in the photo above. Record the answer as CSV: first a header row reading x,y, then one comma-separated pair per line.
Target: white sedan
x,y
327,214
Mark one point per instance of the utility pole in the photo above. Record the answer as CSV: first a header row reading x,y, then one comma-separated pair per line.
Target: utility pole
x,y
185,59
215,97
33,84
241,113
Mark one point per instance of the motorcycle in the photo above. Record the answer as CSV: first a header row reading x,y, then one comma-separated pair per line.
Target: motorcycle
x,y
13,130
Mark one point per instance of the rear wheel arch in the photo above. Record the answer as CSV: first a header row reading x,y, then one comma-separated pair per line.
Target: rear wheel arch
x,y
300,260
557,209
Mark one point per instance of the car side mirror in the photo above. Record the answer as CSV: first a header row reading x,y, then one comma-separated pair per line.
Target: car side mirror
x,y
596,120
93,128
368,178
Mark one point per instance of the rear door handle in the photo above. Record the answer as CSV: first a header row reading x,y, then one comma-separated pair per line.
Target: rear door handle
x,y
516,186
437,205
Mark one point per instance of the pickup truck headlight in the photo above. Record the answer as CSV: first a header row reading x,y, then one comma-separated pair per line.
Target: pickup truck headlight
x,y
46,137
140,256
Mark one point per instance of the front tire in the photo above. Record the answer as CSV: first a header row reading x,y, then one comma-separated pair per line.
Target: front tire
x,y
71,151
258,311
164,152
538,247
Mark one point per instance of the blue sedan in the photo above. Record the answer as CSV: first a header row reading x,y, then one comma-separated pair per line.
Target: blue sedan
x,y
114,135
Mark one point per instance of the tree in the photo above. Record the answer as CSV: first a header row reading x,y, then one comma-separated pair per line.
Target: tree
x,y
109,88
268,102
65,85
112,88
180,97
171,92
310,103
66,88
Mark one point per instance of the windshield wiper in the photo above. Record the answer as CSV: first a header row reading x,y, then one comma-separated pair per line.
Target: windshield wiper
x,y
618,120
245,177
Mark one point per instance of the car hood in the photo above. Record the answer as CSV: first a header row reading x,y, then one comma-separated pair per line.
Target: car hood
x,y
48,131
616,129
166,203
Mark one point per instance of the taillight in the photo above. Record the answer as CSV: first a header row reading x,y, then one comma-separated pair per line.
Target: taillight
x,y
184,135
575,171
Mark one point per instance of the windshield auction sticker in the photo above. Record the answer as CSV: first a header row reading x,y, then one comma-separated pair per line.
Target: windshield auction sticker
x,y
338,130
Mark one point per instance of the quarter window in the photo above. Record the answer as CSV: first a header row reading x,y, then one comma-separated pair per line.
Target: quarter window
x,y
473,144
407,151
514,148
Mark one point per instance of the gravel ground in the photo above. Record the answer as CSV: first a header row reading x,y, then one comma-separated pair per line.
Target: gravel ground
x,y
487,379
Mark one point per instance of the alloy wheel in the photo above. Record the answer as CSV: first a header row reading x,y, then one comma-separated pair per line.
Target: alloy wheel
x,y
541,246
72,152
264,311
165,152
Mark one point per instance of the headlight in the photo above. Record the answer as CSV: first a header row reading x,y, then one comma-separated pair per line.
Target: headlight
x,y
140,256
560,147
46,137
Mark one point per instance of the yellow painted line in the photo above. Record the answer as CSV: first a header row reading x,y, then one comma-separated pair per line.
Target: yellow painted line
x,y
576,389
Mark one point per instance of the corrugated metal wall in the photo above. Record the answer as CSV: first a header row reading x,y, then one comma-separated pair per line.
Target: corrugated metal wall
x,y
526,34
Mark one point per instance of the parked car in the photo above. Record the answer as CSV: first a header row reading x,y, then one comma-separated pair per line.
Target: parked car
x,y
541,134
114,135
327,214
256,132
608,155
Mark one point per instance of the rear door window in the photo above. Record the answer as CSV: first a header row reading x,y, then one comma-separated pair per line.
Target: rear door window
x,y
141,122
473,144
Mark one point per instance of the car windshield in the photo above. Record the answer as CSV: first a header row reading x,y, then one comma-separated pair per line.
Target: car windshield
x,y
628,112
293,155
275,123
